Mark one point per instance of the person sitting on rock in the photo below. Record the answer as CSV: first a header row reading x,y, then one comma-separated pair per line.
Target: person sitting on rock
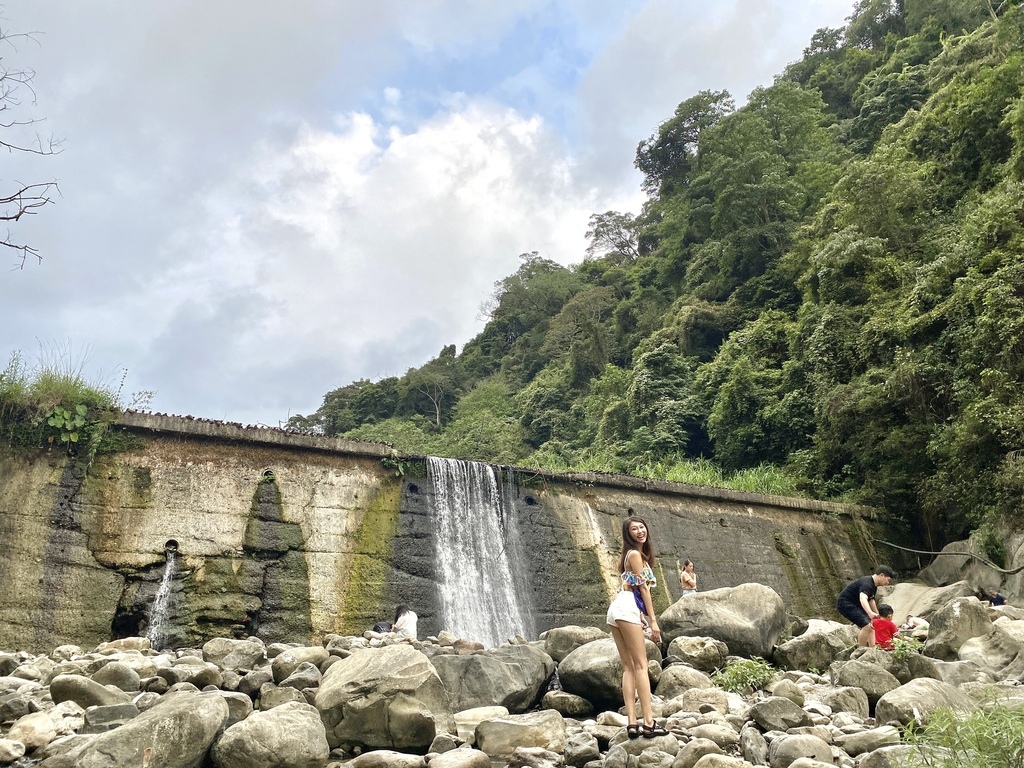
x,y
857,602
884,627
405,622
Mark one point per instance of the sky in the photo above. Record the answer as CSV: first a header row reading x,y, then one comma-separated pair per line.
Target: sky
x,y
263,201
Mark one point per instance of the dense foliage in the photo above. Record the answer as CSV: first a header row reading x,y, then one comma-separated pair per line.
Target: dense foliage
x,y
828,281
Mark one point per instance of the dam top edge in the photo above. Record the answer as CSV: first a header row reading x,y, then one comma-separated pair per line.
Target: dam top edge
x,y
190,426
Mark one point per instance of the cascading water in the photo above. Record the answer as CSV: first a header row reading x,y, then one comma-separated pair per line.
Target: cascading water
x,y
481,570
158,611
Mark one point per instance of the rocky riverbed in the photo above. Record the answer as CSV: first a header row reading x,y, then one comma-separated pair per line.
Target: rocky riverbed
x,y
375,700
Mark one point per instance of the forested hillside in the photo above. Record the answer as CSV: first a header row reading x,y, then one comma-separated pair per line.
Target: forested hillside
x,y
828,281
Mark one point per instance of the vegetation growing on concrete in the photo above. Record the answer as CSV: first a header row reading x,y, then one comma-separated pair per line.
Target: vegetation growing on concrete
x,y
53,405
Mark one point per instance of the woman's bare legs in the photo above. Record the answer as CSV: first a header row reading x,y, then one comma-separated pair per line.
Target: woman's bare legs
x,y
629,640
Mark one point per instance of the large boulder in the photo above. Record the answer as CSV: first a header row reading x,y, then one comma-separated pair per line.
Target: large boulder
x,y
389,697
918,700
679,678
175,733
954,624
594,672
500,736
512,676
1001,650
84,692
818,646
560,641
229,653
873,679
783,751
913,597
289,736
777,713
749,618
703,653
288,661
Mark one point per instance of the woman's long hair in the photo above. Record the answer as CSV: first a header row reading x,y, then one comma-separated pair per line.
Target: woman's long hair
x,y
400,611
628,542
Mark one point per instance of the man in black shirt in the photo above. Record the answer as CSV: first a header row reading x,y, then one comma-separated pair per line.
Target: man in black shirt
x,y
857,601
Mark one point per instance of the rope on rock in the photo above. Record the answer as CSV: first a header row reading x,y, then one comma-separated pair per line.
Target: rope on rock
x,y
989,563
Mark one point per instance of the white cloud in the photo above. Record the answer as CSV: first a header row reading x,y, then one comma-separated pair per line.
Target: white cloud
x,y
351,240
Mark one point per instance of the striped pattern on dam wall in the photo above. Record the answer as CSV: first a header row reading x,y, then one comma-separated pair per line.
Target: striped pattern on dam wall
x,y
292,537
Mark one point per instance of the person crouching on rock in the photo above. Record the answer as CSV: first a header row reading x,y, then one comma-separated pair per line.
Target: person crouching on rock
x,y
631,609
857,602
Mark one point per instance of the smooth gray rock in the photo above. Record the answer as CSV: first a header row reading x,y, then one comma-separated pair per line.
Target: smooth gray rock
x,y
753,746
817,647
119,675
306,675
870,740
288,661
500,736
109,717
560,641
918,700
1000,650
229,653
580,748
749,618
594,671
954,624
84,692
388,697
461,758
693,751
274,696
846,699
386,758
535,757
176,733
874,680
702,653
289,736
786,749
511,676
567,704
192,669
778,713
678,679
252,682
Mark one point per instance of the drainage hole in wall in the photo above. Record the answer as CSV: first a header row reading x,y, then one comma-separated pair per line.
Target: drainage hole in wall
x,y
171,546
413,488
530,501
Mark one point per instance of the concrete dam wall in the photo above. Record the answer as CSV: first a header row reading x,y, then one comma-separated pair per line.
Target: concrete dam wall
x,y
258,531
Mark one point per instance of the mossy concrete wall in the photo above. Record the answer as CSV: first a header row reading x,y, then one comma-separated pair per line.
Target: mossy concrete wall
x,y
291,537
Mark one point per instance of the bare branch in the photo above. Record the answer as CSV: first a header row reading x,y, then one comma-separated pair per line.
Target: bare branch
x,y
25,202
26,199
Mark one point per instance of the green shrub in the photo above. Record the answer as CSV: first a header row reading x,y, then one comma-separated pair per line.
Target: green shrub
x,y
744,675
904,646
986,738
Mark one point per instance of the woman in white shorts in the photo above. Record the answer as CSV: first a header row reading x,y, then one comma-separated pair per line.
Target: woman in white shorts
x,y
627,625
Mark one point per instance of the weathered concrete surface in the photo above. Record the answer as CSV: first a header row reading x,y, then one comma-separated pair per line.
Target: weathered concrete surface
x,y
291,537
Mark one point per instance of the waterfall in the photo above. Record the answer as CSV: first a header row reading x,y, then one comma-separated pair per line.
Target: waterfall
x,y
158,611
481,570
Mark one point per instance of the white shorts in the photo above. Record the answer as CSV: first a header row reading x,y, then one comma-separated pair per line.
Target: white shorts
x,y
623,608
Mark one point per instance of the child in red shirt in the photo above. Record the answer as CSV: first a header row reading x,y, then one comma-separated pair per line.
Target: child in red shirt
x,y
884,627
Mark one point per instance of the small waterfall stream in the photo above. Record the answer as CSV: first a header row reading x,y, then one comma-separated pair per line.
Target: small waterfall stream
x,y
481,570
158,612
